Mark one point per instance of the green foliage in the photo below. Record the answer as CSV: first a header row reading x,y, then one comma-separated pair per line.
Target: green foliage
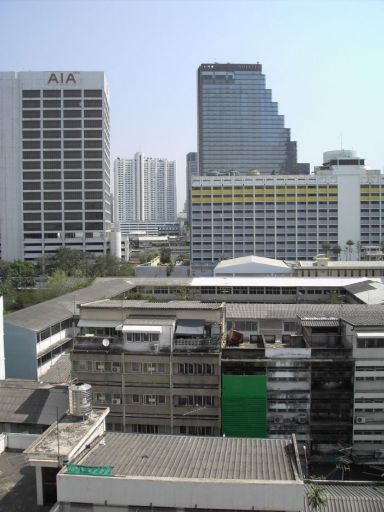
x,y
317,497
326,246
67,269
336,249
165,255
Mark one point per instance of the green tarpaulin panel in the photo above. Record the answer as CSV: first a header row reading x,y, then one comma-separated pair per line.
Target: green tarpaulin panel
x,y
244,406
73,469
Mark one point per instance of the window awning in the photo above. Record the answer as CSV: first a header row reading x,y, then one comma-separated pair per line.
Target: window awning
x,y
190,328
139,328
361,334
83,322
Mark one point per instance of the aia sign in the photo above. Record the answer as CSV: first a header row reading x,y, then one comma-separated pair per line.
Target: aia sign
x,y
62,78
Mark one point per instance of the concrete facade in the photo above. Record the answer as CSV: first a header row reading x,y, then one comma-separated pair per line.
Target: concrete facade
x,y
54,163
287,217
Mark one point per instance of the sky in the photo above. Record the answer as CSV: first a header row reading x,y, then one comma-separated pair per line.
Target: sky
x,y
322,59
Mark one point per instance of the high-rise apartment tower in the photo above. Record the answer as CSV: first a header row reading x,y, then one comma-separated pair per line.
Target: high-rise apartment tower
x,y
54,163
239,128
145,189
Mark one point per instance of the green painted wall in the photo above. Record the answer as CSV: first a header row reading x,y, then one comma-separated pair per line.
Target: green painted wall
x,y
244,406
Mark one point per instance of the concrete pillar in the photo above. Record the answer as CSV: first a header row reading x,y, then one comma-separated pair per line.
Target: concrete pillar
x,y
39,485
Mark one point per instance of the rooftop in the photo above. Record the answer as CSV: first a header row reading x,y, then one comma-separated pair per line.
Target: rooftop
x,y
358,314
71,432
345,497
214,458
26,401
259,260
143,304
50,312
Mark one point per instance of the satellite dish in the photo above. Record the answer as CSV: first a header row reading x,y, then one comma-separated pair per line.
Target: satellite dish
x,y
105,342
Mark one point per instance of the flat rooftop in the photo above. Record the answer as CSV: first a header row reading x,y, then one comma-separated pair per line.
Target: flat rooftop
x,y
72,431
189,457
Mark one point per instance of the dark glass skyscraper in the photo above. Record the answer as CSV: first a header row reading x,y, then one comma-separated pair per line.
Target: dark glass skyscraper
x,y
239,128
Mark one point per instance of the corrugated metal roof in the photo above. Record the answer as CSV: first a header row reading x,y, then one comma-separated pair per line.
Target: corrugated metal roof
x,y
40,316
350,498
59,372
143,304
30,402
356,314
158,456
319,322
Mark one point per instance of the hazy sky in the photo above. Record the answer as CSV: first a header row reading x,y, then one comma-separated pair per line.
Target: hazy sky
x,y
323,61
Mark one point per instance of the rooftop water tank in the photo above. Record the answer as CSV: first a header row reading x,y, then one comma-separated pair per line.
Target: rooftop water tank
x,y
80,399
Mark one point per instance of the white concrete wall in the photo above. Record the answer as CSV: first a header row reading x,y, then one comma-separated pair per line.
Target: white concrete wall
x,y
217,495
10,168
2,356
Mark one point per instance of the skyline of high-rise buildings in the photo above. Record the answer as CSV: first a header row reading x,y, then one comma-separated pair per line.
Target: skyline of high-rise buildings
x,y
145,189
239,127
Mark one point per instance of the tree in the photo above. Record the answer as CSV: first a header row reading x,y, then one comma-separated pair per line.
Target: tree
x,y
349,244
326,246
336,249
165,255
317,497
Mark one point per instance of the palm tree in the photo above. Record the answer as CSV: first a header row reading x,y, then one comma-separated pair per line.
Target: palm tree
x,y
336,249
326,246
349,244
317,497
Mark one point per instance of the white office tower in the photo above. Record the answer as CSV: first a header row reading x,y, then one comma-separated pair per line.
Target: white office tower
x,y
54,163
145,189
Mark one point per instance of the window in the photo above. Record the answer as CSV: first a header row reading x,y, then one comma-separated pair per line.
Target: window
x,y
195,369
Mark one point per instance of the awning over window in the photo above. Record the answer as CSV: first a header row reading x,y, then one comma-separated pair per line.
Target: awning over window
x,y
139,328
361,334
97,323
190,328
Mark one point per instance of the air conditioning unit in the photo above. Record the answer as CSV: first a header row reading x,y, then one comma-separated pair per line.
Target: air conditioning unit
x,y
116,401
151,400
359,419
115,369
156,347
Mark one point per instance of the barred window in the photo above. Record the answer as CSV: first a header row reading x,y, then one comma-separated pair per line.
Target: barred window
x,y
52,134
31,175
93,93
31,124
72,94
27,134
31,144
52,164
93,134
31,103
75,164
72,103
72,195
52,113
52,175
51,123
31,165
72,134
31,155
72,144
29,93
72,123
72,113
52,103
49,93
93,144
51,144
